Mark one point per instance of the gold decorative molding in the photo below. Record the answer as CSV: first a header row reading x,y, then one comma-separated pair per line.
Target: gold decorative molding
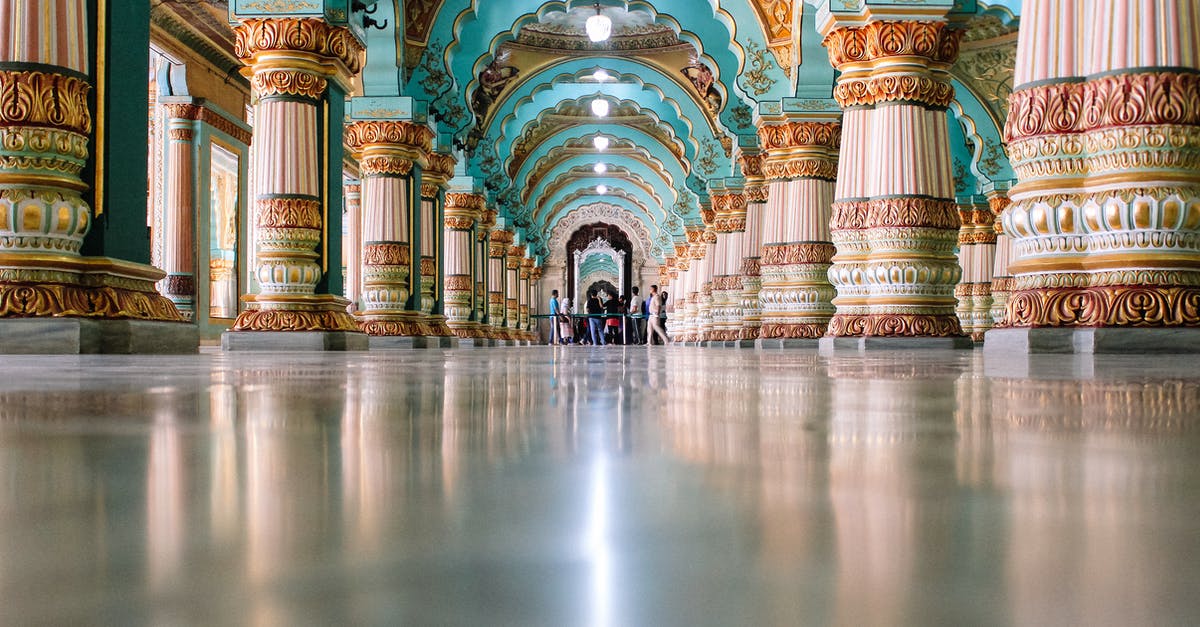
x,y
1105,306
294,320
313,36
797,253
792,331
417,137
386,254
385,165
895,325
33,98
287,213
298,83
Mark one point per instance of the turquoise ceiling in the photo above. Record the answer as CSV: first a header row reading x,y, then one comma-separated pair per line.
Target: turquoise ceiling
x,y
510,83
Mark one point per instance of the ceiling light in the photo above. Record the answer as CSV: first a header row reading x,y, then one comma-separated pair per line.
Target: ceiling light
x,y
600,107
600,76
602,189
600,168
598,26
600,142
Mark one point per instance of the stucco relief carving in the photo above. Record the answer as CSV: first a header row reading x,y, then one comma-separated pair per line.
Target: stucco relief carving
x,y
603,212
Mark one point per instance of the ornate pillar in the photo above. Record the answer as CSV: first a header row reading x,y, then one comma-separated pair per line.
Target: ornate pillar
x,y
730,223
499,241
462,209
525,273
895,221
433,189
290,61
1103,131
704,301
390,155
801,157
52,299
535,302
756,200
352,242
977,256
179,208
678,297
1001,277
512,288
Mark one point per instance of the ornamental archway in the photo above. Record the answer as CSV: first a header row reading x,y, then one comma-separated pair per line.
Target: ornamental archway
x,y
598,237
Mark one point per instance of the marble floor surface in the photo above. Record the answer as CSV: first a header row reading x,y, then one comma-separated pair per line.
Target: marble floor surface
x,y
599,487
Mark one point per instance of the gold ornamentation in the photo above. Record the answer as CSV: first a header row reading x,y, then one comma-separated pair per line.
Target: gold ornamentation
x,y
385,165
428,267
912,211
797,253
314,36
182,111
849,215
287,213
26,300
875,44
751,267
225,125
300,83
458,283
459,223
417,137
386,254
895,325
395,328
792,331
180,134
429,191
32,98
1105,306
463,200
293,320
800,135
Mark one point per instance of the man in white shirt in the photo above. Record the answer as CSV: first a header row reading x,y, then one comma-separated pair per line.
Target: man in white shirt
x,y
656,323
639,324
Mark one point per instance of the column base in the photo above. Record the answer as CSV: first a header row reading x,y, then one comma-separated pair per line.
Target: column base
x,y
1085,341
294,313
81,336
294,341
781,342
861,344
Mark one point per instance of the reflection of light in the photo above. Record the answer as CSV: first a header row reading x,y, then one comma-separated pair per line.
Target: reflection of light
x,y
598,549
600,143
600,76
598,26
600,107
600,168
602,189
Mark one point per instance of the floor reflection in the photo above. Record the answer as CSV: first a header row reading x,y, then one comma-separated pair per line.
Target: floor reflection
x,y
603,487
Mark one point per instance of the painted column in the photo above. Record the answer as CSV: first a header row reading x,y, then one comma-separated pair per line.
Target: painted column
x,y
697,246
352,242
434,180
483,233
499,241
290,61
512,288
677,299
525,273
1001,277
800,167
462,209
977,256
390,154
179,208
752,239
730,225
1103,131
895,221
45,124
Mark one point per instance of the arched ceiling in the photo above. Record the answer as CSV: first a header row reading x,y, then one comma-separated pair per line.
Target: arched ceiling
x,y
509,84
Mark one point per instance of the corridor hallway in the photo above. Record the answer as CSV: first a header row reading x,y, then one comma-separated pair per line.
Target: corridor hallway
x,y
607,486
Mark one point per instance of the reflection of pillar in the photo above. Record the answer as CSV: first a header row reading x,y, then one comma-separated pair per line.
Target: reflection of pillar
x,y
800,165
389,153
433,188
45,122
1001,277
179,210
498,243
894,220
352,242
290,61
977,255
461,212
1103,130
756,199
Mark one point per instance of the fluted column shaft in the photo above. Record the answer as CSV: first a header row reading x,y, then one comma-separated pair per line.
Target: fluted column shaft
x,y
1001,276
512,289
290,61
179,208
1104,135
895,221
434,180
801,161
391,154
499,242
751,245
977,256
727,266
525,272
462,210
352,242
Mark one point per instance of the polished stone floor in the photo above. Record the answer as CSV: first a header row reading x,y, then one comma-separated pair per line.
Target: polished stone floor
x,y
599,487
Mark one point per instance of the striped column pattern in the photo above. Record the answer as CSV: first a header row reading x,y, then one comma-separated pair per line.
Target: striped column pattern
x,y
704,301
499,241
894,217
1001,276
434,179
727,291
482,262
525,273
388,153
693,284
751,244
677,297
45,124
1103,132
290,61
462,210
352,242
179,209
977,257
512,290
800,167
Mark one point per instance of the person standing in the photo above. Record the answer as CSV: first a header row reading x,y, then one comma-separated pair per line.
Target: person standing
x,y
595,322
555,336
656,306
637,308
566,331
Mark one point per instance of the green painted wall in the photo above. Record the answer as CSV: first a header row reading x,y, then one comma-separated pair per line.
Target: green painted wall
x,y
330,132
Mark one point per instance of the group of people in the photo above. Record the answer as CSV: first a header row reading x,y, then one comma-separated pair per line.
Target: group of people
x,y
613,320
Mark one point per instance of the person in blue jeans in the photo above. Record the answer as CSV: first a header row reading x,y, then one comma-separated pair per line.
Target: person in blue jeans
x,y
595,324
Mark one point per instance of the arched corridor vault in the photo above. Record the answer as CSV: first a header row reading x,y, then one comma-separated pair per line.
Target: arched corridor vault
x,y
795,171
